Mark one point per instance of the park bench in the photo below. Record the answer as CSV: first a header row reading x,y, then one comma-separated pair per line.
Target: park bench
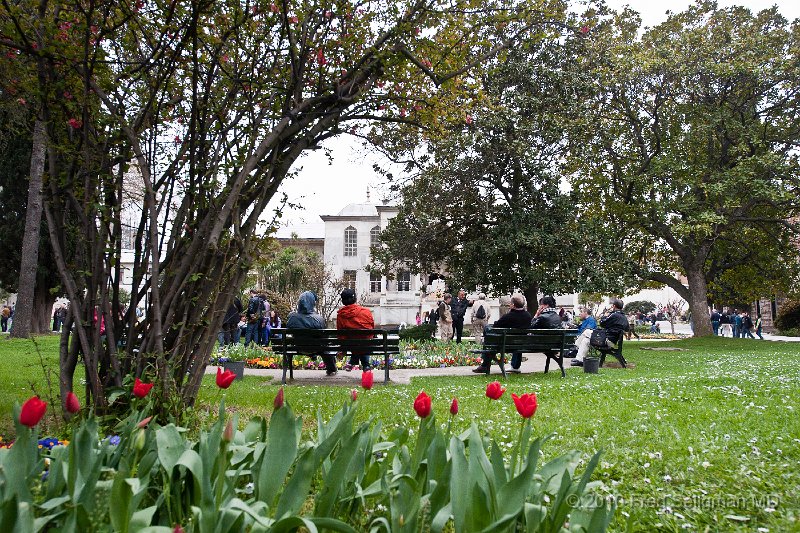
x,y
554,343
616,352
327,341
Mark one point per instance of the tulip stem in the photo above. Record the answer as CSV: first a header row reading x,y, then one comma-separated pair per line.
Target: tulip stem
x,y
518,451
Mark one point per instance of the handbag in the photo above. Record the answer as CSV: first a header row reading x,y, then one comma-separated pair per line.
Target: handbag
x,y
598,339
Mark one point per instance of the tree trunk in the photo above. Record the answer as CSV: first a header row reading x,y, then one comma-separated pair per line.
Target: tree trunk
x,y
30,240
698,301
42,316
531,293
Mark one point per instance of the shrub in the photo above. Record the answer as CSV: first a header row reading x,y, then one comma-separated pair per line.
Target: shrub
x,y
645,306
788,316
418,333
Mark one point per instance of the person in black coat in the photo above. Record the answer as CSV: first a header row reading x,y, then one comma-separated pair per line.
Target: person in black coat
x,y
231,320
615,323
458,308
517,317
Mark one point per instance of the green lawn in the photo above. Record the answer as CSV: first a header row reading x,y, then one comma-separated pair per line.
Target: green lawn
x,y
702,439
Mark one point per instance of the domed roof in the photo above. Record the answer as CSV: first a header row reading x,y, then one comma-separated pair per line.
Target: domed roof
x,y
365,209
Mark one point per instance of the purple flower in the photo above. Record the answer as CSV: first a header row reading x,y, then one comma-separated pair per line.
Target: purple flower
x,y
114,440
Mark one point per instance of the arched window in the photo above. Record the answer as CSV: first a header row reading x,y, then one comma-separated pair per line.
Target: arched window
x,y
374,236
350,241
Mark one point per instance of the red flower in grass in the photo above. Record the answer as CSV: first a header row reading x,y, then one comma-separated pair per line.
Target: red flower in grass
x,y
278,403
32,411
367,379
526,404
354,395
422,405
140,390
454,407
224,379
71,404
74,123
494,390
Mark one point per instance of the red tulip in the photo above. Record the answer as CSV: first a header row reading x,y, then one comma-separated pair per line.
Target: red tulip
x,y
454,407
366,379
278,403
224,379
32,411
354,395
526,404
422,405
140,390
71,404
494,390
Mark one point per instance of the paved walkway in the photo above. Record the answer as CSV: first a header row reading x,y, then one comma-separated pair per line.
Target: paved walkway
x,y
534,363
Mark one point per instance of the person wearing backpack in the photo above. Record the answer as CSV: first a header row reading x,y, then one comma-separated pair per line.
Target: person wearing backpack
x,y
480,317
255,312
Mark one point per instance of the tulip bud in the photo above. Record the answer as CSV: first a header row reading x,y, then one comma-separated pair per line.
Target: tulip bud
x,y
139,440
227,435
278,403
71,403
454,407
354,395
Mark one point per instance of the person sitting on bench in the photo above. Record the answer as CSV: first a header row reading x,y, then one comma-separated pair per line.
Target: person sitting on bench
x,y
306,317
517,317
615,323
354,316
588,325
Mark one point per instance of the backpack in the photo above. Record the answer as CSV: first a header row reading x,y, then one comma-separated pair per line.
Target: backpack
x,y
480,313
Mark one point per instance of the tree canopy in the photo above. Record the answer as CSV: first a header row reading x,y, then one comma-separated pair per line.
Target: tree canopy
x,y
690,139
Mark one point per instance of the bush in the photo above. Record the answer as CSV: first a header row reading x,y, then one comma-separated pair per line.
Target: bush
x,y
418,333
788,316
349,477
645,306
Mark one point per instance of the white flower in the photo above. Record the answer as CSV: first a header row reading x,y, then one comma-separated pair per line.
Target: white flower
x,y
667,478
706,464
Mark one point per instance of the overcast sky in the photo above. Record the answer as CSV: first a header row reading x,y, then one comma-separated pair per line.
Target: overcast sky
x,y
323,188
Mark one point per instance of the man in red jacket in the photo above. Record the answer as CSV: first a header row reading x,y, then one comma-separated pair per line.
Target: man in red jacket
x,y
354,316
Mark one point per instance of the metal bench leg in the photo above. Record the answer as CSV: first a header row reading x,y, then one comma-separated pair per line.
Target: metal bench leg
x,y
501,362
547,363
386,368
560,361
284,365
620,358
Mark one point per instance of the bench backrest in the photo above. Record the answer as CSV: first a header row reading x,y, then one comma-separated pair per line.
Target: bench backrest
x,y
510,340
299,341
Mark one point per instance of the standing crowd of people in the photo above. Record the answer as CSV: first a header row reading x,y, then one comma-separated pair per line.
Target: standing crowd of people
x,y
739,325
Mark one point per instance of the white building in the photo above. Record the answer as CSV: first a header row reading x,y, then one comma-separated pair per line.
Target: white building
x,y
348,238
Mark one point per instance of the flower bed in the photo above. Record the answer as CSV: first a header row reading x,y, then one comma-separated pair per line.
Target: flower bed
x,y
414,354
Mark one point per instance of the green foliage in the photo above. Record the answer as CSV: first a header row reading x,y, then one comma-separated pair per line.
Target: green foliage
x,y
488,203
686,139
788,316
645,306
419,333
259,479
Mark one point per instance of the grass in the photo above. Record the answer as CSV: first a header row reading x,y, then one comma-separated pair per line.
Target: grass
x,y
705,439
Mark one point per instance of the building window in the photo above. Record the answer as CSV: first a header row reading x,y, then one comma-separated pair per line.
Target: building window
x,y
350,241
374,236
404,281
349,279
374,282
